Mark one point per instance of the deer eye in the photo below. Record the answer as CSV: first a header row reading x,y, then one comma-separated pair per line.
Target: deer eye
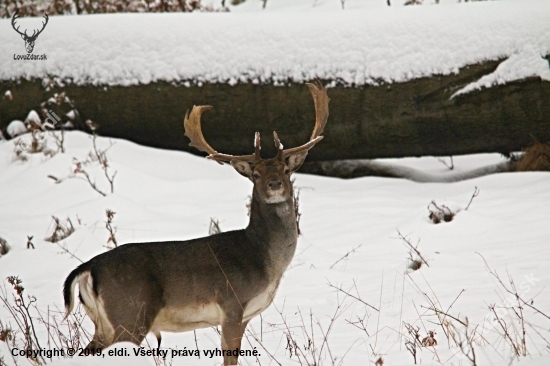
x,y
287,171
256,176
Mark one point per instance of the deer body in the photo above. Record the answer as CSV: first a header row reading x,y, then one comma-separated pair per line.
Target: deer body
x,y
225,279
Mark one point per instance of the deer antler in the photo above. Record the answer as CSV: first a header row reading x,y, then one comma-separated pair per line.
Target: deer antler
x,y
13,19
43,26
320,99
192,127
34,33
193,130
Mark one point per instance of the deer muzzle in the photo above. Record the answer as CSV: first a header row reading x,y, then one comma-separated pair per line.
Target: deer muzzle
x,y
275,191
275,184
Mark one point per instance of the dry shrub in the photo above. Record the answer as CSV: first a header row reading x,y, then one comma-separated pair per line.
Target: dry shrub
x,y
110,227
535,158
27,320
214,227
440,213
61,230
4,247
64,7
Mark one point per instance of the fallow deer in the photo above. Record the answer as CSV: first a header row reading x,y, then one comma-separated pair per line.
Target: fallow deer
x,y
225,279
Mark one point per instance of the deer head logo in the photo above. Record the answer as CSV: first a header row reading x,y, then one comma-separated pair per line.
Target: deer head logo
x,y
29,40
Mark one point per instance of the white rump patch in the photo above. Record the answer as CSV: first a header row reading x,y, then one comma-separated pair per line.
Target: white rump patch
x,y
104,330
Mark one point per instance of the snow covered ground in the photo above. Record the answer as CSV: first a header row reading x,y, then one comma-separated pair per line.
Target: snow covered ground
x,y
290,40
350,227
165,195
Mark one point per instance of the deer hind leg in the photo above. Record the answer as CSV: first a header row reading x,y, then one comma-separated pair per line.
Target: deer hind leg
x,y
133,315
127,316
233,328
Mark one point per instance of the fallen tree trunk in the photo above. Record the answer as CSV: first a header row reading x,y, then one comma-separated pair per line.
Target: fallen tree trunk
x,y
364,168
414,118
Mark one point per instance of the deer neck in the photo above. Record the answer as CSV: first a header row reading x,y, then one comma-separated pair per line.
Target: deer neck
x,y
273,228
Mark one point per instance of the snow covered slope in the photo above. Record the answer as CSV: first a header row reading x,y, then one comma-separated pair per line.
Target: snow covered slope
x,y
366,43
349,240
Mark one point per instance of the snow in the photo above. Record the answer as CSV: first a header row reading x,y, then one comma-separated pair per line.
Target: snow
x,y
165,195
527,63
367,43
16,128
71,114
33,118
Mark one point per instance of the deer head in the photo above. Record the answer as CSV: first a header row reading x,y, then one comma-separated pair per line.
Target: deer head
x,y
271,177
29,40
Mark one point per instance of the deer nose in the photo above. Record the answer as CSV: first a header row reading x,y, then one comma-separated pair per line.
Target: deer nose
x,y
275,184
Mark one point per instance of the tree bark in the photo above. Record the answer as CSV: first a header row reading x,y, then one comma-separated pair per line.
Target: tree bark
x,y
413,118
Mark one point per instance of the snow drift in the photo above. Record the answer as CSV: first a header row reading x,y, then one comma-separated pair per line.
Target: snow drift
x,y
356,46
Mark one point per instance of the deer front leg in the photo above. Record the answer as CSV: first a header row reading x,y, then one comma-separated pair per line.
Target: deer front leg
x,y
233,328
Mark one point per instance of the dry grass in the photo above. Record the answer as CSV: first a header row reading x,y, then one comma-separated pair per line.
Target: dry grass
x,y
110,227
27,320
61,230
535,158
214,227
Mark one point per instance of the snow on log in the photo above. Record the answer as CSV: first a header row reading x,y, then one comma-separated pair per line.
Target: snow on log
x,y
438,80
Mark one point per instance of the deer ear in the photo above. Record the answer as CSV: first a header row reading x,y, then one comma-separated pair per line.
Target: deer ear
x,y
295,161
243,167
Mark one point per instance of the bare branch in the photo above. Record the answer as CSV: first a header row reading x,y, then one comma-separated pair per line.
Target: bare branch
x,y
345,255
504,328
413,248
494,274
101,156
64,248
436,310
450,166
80,170
474,195
354,297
